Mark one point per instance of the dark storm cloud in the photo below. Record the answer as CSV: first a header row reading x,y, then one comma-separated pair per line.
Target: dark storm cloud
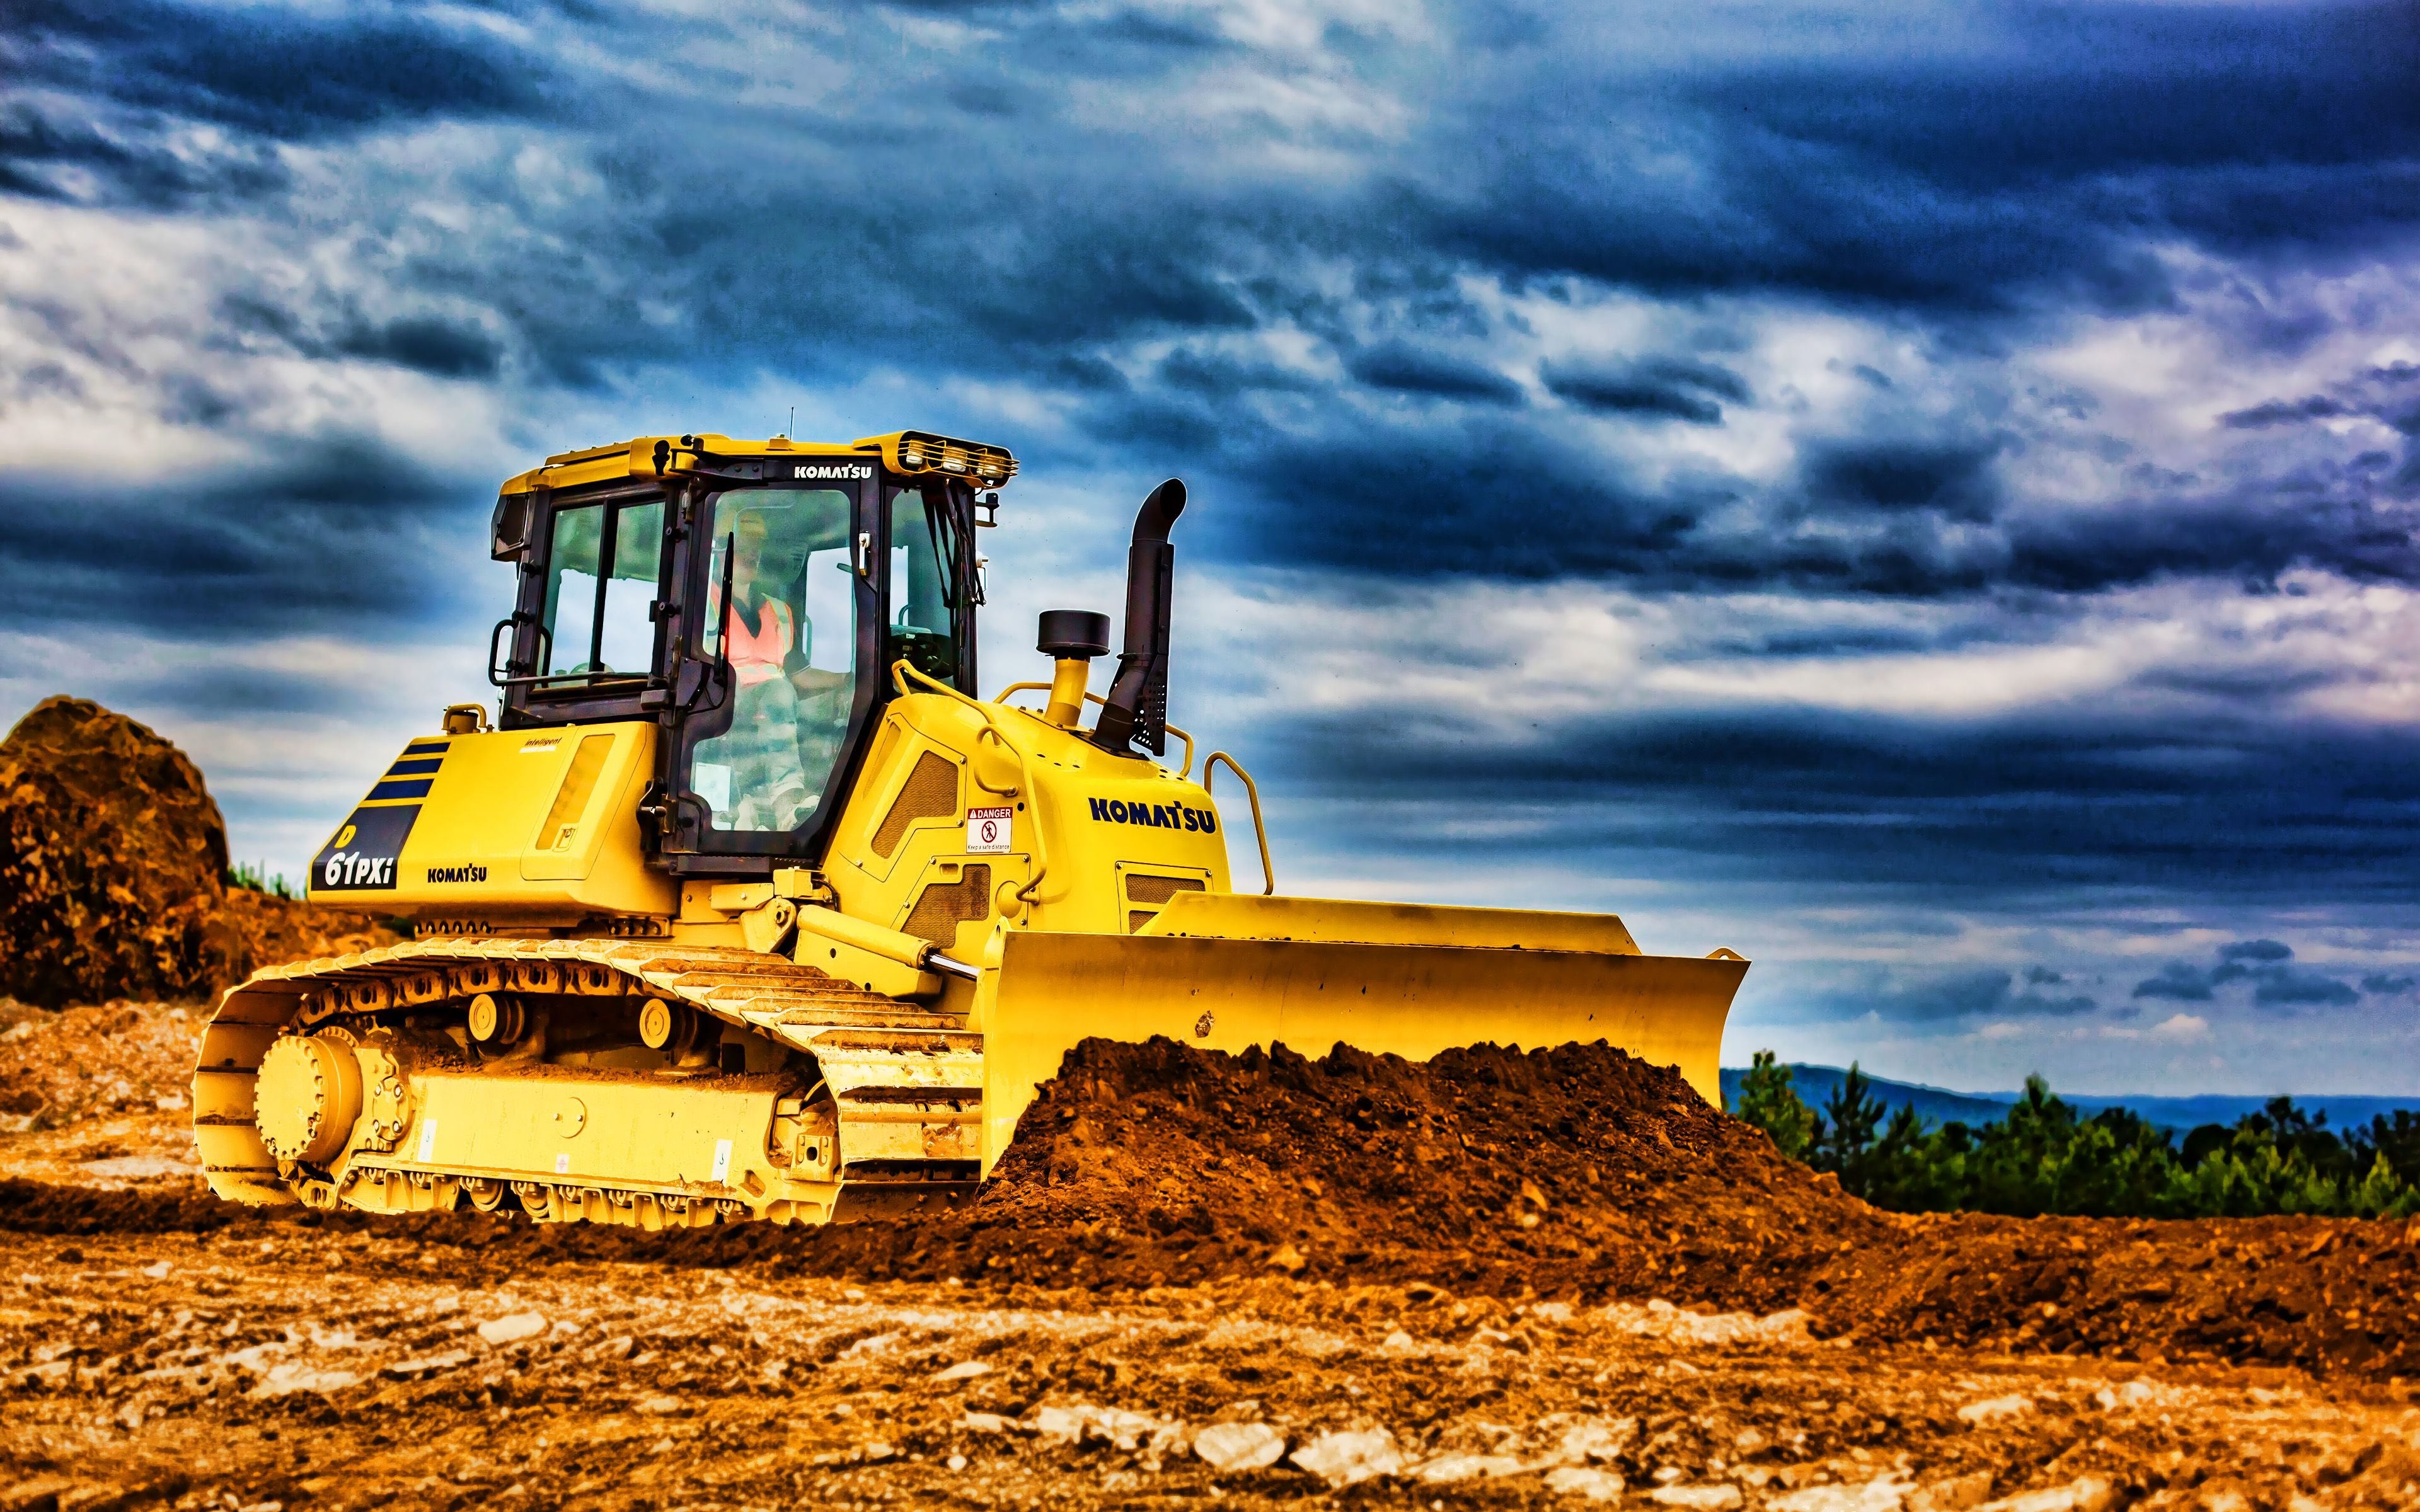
x,y
37,154
2242,535
1940,814
2022,165
2266,965
431,345
2025,170
1934,998
1500,494
338,537
424,343
1951,481
1475,495
283,72
1676,388
2032,160
2280,412
1408,369
1038,253
159,105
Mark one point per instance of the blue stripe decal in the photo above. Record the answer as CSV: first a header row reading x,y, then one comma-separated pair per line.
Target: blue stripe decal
x,y
426,748
416,788
415,768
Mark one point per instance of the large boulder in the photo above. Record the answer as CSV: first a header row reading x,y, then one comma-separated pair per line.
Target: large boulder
x,y
114,870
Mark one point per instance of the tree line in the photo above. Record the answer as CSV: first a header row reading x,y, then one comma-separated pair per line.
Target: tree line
x,y
2047,1157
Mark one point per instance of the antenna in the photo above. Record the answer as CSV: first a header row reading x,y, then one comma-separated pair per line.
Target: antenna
x,y
792,425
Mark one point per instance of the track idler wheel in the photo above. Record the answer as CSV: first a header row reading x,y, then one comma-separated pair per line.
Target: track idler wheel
x,y
306,1097
497,1019
673,1028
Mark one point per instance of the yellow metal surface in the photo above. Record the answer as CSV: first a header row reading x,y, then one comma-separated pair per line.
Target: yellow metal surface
x,y
902,1081
910,451
514,824
308,1096
705,1139
1077,816
1053,989
1337,921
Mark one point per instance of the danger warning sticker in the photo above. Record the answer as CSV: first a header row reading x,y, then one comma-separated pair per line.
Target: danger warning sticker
x,y
987,829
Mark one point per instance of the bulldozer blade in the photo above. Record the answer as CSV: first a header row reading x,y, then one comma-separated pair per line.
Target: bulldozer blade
x,y
1412,1000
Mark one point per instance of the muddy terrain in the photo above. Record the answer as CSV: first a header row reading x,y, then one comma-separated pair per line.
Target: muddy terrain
x,y
1498,1280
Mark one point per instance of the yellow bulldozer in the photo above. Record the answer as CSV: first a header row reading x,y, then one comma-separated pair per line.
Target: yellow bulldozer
x,y
747,906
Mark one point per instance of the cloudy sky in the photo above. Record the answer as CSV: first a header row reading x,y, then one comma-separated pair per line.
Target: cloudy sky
x,y
1922,495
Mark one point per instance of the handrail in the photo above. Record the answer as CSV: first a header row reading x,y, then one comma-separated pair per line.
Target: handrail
x,y
1089,696
1260,830
901,670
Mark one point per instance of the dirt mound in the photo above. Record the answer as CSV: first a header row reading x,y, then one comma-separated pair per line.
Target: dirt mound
x,y
1573,1167
113,870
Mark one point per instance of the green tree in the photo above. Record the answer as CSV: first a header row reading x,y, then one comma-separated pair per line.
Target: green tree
x,y
1768,1101
1914,1167
1846,1135
2045,1157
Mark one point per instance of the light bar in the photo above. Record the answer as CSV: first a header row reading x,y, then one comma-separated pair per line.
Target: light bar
x,y
917,451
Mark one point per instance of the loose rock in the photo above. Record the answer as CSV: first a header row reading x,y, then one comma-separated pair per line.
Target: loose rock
x,y
1233,1447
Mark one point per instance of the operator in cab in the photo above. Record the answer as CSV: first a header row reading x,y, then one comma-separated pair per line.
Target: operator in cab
x,y
789,716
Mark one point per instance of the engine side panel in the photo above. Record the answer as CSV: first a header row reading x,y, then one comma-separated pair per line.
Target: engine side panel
x,y
1080,840
531,825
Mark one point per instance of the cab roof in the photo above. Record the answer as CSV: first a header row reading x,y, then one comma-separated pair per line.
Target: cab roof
x,y
907,452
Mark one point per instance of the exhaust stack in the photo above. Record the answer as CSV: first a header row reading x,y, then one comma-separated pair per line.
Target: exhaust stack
x,y
1136,712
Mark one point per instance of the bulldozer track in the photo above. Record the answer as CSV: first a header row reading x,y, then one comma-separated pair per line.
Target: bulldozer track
x,y
905,1080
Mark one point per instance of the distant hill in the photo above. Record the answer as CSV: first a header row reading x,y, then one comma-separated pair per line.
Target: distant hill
x,y
1816,1083
2189,1112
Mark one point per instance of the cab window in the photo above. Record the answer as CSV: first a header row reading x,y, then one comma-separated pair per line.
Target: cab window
x,y
789,633
925,594
601,582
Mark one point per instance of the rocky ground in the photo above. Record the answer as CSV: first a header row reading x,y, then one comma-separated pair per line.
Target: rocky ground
x,y
1318,1318
308,1368
94,1097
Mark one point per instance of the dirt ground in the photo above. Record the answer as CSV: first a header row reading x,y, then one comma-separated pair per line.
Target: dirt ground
x,y
1502,1281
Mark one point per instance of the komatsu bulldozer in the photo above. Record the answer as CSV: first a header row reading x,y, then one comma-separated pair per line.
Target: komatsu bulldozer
x,y
746,905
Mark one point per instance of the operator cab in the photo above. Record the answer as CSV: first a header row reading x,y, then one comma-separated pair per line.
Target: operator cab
x,y
750,598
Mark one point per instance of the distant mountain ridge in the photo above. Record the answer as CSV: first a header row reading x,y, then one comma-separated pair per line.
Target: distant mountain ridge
x,y
1816,1083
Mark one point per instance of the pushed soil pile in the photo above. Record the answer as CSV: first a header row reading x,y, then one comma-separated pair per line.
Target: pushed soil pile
x,y
1573,1168
1578,1173
113,871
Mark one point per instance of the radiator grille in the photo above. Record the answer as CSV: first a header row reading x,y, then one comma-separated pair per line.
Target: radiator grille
x,y
931,792
1152,893
942,906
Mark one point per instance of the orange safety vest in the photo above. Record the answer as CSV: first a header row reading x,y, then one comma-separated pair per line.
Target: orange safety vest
x,y
757,656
